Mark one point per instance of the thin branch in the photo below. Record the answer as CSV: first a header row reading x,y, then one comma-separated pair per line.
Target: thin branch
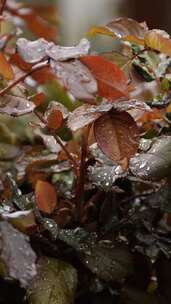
x,y
23,77
3,3
69,156
59,141
81,177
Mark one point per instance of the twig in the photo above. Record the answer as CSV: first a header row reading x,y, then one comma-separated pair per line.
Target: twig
x,y
23,77
59,141
81,177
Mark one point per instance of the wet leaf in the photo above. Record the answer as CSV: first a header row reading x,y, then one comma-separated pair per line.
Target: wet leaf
x,y
76,78
54,119
5,68
119,59
55,115
122,28
16,254
131,295
46,197
55,283
112,82
159,41
59,53
32,51
15,106
110,262
85,115
49,141
117,135
104,176
156,163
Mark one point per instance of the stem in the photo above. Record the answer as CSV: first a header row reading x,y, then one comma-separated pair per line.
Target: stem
x,y
81,177
3,3
23,77
69,156
59,141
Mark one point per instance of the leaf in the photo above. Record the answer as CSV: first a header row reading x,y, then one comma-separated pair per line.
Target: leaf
x,y
38,98
131,295
126,105
32,51
59,53
49,141
5,68
86,114
112,82
124,29
159,41
117,135
37,25
16,254
46,197
104,176
54,119
55,283
156,163
110,261
15,106
119,59
55,115
76,78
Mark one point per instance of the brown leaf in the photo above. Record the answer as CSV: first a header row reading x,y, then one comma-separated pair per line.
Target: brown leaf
x,y
117,135
15,106
159,41
5,68
112,82
59,53
76,78
122,28
46,197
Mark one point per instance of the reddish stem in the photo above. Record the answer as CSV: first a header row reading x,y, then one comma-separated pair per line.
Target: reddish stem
x,y
23,77
59,141
81,177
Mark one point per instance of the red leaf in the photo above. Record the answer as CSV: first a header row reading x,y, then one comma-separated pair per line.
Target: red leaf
x,y
38,98
54,119
117,135
46,197
112,82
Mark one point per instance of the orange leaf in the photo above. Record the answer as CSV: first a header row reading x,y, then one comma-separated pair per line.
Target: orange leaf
x,y
123,29
112,82
46,197
5,68
159,41
117,135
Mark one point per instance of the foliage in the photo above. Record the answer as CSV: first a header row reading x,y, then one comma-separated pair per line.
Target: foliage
x,y
85,210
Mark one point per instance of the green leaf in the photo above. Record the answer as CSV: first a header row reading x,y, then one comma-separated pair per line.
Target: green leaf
x,y
55,283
